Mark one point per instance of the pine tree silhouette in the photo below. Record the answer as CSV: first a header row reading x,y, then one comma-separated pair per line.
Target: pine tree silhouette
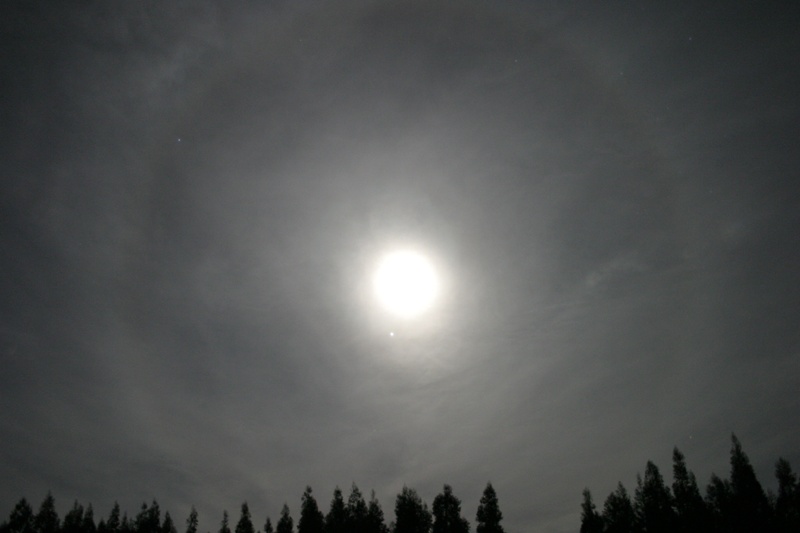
x,y
375,518
114,523
719,503
21,519
750,506
447,513
691,515
168,526
591,521
285,522
787,501
336,519
87,524
311,518
245,524
149,519
488,516
223,526
73,520
411,514
653,502
125,525
618,514
356,512
47,520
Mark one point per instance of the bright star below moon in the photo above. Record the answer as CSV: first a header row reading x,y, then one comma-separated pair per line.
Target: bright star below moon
x,y
405,283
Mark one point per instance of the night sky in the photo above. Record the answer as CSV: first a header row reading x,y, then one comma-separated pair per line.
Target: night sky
x,y
194,197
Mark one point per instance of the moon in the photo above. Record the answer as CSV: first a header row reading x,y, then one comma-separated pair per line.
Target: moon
x,y
405,283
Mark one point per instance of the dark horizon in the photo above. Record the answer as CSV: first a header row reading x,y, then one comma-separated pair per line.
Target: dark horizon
x,y
737,503
196,195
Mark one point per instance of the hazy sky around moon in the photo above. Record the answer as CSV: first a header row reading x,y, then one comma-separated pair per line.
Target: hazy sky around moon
x,y
195,194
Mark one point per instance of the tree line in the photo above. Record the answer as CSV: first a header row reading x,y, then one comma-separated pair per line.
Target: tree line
x,y
356,515
735,505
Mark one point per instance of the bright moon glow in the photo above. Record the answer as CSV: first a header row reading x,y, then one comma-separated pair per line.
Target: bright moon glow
x,y
405,283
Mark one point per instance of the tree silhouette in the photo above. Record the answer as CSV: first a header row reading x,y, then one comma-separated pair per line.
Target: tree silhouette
x,y
488,516
356,512
750,506
113,523
125,526
653,502
311,518
73,520
191,521
737,505
245,524
21,519
87,524
375,519
336,519
411,514
618,514
719,502
47,520
149,519
591,521
285,522
224,527
787,502
447,513
168,526
691,515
